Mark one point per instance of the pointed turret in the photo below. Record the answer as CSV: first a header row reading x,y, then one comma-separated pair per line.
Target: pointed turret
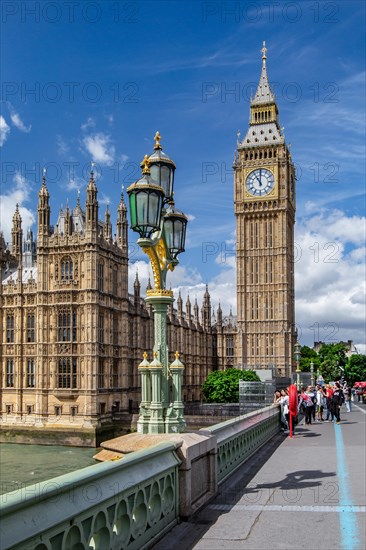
x,y
122,225
91,204
43,209
136,290
188,309
264,126
29,255
206,309
108,225
196,313
179,307
17,235
148,286
67,221
219,316
264,94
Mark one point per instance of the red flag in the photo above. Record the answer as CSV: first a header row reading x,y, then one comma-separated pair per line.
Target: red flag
x,y
292,397
292,394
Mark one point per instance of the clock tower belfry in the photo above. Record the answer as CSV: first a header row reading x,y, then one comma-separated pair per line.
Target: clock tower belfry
x,y
264,196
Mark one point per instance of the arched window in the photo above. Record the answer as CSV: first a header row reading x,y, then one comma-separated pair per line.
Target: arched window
x,y
100,276
67,270
10,328
67,372
67,326
30,327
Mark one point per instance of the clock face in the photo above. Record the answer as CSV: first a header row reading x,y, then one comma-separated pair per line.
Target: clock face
x,y
260,182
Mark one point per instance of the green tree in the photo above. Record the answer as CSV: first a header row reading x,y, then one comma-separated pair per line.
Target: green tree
x,y
308,355
331,357
355,369
223,386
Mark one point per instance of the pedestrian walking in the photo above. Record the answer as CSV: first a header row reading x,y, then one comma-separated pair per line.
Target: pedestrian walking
x,y
347,397
328,397
319,403
337,400
308,398
285,416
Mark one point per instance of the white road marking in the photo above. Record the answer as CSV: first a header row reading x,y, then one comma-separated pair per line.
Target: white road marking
x,y
359,408
280,508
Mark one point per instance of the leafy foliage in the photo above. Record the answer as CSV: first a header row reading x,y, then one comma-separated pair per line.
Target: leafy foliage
x,y
308,355
355,370
332,356
223,386
329,360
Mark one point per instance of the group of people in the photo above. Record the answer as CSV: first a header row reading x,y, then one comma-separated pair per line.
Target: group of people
x,y
313,402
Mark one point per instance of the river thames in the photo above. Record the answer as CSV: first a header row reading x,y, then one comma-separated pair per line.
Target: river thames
x,y
23,465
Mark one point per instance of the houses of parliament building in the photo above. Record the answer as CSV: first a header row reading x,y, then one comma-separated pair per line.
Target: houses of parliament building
x,y
71,335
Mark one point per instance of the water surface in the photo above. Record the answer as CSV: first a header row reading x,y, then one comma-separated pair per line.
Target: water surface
x,y
22,465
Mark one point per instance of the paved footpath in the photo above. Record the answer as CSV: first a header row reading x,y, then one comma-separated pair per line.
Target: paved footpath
x,y
302,493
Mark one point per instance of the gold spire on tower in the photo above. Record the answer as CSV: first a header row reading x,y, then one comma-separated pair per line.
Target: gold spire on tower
x,y
145,165
157,139
264,52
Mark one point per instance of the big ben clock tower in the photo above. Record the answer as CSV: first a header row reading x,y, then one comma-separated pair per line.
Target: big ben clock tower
x,y
264,198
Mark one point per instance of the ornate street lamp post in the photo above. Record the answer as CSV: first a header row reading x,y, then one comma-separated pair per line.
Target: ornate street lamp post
x,y
312,373
162,231
297,356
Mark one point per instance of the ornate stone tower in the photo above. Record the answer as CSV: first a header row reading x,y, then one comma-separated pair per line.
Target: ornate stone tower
x,y
264,198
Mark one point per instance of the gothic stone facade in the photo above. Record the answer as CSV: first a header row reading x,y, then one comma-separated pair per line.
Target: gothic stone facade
x,y
264,195
71,336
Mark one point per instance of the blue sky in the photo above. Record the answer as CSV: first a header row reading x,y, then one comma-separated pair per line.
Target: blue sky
x,y
95,80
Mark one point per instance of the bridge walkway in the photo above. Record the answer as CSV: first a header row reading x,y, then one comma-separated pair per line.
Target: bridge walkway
x,y
307,492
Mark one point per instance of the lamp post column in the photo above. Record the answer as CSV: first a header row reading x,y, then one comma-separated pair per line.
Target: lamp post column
x,y
156,422
160,299
175,418
312,373
144,418
297,356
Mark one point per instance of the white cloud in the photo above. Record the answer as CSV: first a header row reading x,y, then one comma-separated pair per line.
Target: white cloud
x,y
100,148
62,147
19,194
329,277
144,272
18,123
4,130
104,199
75,184
90,123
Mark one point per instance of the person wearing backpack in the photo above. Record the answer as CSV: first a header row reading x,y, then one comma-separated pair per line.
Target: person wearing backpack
x,y
337,400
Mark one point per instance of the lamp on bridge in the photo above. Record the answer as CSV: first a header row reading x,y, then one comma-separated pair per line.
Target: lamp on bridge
x,y
297,356
162,230
312,373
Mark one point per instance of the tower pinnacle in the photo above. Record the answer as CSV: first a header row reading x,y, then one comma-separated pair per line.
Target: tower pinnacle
x,y
264,52
264,94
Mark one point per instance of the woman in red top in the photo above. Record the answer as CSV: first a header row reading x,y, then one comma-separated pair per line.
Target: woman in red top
x,y
328,396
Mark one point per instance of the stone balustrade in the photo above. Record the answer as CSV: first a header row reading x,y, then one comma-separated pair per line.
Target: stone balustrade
x,y
130,502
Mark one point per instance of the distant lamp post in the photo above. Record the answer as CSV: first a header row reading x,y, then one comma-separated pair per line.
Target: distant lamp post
x,y
312,373
297,356
162,230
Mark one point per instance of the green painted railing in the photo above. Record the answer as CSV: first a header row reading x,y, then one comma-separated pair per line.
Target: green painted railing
x,y
125,504
240,437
